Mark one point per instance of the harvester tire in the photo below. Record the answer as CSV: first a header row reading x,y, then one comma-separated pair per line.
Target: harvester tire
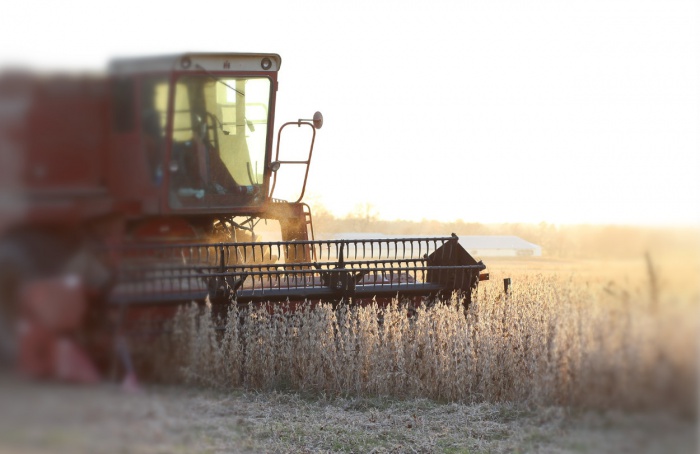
x,y
25,255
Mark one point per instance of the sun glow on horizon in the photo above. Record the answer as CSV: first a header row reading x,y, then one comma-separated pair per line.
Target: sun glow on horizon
x,y
580,112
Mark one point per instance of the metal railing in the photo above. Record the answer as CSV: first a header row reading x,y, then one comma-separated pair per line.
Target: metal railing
x,y
275,271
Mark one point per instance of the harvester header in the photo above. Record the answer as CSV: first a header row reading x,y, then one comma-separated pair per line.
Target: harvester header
x,y
330,270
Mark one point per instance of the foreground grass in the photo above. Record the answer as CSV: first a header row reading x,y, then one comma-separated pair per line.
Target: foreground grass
x,y
52,418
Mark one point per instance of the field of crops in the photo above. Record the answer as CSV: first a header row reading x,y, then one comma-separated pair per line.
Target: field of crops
x,y
581,356
554,340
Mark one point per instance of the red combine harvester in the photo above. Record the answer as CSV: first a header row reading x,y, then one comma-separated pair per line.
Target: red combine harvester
x,y
136,191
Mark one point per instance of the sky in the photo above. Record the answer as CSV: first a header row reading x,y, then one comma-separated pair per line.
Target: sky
x,y
560,111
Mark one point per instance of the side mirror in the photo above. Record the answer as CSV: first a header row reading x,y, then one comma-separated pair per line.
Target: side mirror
x,y
317,121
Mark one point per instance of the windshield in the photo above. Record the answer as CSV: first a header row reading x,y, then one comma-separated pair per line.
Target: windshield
x,y
219,133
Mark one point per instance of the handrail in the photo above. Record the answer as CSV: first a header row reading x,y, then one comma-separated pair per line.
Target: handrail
x,y
306,162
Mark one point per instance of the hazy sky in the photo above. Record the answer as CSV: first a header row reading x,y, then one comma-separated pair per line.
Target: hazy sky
x,y
487,111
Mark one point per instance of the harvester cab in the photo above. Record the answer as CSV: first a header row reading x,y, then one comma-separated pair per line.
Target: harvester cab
x,y
200,127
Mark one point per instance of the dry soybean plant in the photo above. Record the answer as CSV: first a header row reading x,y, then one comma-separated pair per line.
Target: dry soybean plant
x,y
549,341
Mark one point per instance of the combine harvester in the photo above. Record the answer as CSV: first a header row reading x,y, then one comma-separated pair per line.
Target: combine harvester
x,y
138,191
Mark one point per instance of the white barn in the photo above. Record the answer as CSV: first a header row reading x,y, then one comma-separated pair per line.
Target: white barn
x,y
499,246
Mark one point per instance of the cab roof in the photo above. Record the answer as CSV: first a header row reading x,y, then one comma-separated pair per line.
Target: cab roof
x,y
193,61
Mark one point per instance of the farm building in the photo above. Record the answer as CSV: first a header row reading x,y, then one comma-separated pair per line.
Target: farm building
x,y
476,245
499,246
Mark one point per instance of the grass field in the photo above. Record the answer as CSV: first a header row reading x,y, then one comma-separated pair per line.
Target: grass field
x,y
61,419
582,356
